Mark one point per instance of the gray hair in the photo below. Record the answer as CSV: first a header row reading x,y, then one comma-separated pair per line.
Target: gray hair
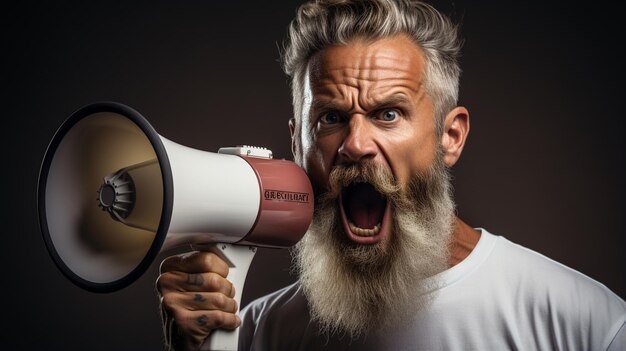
x,y
322,23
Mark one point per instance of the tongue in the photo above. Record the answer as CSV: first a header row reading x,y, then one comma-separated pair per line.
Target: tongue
x,y
365,206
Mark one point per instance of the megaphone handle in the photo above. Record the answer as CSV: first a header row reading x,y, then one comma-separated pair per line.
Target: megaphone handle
x,y
238,259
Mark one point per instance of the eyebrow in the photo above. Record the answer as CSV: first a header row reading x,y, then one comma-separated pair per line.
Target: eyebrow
x,y
392,100
324,105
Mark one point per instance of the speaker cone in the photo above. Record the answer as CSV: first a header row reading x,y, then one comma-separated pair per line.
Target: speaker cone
x,y
105,196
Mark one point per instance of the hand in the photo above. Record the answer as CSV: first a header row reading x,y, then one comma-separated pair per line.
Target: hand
x,y
195,298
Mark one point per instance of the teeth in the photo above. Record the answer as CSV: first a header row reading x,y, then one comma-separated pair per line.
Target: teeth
x,y
364,232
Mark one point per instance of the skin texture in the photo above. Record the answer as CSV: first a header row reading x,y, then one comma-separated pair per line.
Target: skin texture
x,y
194,292
368,101
365,100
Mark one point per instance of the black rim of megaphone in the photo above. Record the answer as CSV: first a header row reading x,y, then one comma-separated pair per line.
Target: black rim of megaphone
x,y
166,212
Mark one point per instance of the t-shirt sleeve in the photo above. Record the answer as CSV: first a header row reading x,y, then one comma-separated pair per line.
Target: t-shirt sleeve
x,y
619,341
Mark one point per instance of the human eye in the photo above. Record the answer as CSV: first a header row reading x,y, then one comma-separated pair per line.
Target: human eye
x,y
388,115
331,117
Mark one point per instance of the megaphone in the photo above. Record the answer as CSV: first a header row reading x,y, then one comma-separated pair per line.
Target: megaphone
x,y
113,194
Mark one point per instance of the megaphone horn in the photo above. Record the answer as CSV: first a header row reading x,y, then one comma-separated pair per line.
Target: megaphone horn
x,y
113,194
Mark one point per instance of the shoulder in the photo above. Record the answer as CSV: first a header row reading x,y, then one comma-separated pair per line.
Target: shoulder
x,y
568,302
533,269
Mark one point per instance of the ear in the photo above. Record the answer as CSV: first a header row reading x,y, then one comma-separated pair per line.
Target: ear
x,y
455,131
292,130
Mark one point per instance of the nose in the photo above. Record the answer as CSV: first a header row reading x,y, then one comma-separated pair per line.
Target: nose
x,y
358,143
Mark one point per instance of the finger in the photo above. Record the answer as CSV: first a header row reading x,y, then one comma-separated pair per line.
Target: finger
x,y
194,282
195,262
195,301
202,322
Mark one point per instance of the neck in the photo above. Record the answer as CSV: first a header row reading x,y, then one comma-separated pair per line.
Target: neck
x,y
464,240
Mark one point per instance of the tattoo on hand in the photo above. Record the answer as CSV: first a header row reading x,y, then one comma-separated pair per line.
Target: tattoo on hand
x,y
202,320
199,298
195,279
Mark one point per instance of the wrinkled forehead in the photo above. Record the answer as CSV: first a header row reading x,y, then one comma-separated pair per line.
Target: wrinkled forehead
x,y
370,72
378,60
396,57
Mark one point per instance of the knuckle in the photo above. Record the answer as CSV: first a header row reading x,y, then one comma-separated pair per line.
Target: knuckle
x,y
218,318
214,282
234,306
220,302
231,289
224,320
227,304
208,260
207,321
213,263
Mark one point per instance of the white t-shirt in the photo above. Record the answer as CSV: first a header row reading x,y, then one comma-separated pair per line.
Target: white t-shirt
x,y
501,297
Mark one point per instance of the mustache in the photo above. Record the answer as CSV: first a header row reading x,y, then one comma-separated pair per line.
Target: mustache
x,y
420,190
376,174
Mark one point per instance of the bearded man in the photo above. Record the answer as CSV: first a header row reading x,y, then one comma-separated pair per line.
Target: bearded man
x,y
386,264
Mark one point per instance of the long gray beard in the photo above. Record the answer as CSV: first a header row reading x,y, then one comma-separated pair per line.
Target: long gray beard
x,y
352,287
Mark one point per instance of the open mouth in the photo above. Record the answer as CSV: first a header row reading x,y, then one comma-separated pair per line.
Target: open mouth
x,y
364,213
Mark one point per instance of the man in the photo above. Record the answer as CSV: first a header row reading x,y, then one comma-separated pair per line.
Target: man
x,y
386,264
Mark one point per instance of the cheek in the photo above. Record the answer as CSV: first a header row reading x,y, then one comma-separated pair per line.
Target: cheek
x,y
411,155
316,171
319,158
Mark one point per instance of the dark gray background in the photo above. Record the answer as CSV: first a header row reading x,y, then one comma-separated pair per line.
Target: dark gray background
x,y
542,167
